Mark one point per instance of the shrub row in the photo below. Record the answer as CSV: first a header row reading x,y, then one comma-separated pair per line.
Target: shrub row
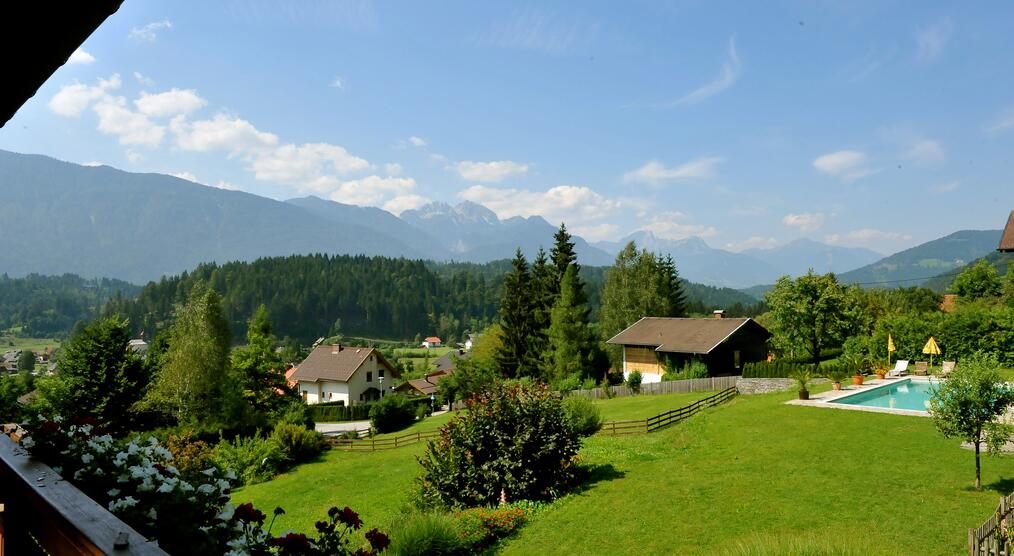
x,y
784,369
331,412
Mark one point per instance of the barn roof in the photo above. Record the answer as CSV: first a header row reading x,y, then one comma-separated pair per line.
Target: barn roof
x,y
682,335
1007,239
336,363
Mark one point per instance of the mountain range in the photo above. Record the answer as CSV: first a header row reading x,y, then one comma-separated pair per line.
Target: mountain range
x,y
59,217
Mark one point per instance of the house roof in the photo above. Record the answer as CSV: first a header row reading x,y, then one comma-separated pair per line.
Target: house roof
x,y
449,360
426,386
337,363
1007,239
682,335
432,339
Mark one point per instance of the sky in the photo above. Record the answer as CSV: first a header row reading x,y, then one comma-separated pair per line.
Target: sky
x,y
876,124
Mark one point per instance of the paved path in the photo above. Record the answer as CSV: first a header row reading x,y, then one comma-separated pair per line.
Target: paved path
x,y
338,428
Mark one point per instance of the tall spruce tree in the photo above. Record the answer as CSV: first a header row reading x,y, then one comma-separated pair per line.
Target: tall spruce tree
x,y
543,294
257,367
674,301
515,356
563,254
572,345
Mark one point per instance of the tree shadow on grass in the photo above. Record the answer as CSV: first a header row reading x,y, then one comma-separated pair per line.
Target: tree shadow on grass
x,y
589,475
1003,485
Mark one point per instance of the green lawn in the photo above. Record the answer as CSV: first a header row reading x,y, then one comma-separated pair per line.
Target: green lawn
x,y
753,471
428,424
630,408
34,344
418,357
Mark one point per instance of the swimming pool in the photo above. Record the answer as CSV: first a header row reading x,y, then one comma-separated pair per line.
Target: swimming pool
x,y
903,394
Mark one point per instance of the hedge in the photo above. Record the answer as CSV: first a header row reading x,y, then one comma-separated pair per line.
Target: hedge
x,y
331,412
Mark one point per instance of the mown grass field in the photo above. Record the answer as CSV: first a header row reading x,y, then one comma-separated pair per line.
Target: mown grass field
x,y
34,344
422,358
753,476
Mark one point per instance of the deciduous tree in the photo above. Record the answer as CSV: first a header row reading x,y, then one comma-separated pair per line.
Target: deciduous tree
x,y
813,311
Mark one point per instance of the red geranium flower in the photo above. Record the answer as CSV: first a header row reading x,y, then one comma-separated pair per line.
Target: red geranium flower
x,y
378,540
350,518
293,543
249,514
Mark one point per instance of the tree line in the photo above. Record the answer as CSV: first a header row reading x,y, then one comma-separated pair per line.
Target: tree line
x,y
49,306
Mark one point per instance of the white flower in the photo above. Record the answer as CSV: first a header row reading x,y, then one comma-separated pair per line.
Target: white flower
x,y
223,484
87,458
58,470
230,474
152,441
165,488
205,489
27,442
146,485
113,492
78,474
226,513
209,471
99,472
186,487
87,429
131,448
152,514
122,503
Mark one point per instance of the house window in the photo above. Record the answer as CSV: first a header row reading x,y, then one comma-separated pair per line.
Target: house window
x,y
304,395
380,373
735,358
369,376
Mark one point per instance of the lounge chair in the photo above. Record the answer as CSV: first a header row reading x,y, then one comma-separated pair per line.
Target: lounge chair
x,y
921,368
947,368
900,368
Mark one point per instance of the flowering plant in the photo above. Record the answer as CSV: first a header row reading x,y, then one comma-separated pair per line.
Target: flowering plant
x,y
334,536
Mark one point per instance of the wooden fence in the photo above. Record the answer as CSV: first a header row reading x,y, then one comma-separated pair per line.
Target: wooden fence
x,y
667,418
40,510
665,387
988,539
374,444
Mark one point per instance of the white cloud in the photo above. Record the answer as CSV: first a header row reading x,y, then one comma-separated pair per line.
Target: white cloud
x,y
655,173
931,40
490,172
93,163
143,80
753,242
672,225
417,141
865,237
726,78
925,151
578,206
79,56
134,157
541,31
402,203
184,175
304,163
132,128
1005,120
846,165
149,32
172,102
72,100
806,221
392,168
337,83
945,187
220,133
370,191
227,186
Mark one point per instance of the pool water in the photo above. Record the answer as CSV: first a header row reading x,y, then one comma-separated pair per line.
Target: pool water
x,y
904,394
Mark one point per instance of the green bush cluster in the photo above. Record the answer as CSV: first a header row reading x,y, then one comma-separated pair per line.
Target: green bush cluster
x,y
691,369
255,459
426,534
583,414
392,413
515,441
331,412
974,327
784,369
471,531
299,443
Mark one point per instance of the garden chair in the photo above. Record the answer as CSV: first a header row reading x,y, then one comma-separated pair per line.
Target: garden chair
x,y
900,368
947,367
921,368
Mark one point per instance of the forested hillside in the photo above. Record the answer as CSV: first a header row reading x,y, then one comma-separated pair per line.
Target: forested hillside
x,y
47,306
320,295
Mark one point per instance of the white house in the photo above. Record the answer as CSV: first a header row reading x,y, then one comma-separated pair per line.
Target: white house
x,y
336,373
431,342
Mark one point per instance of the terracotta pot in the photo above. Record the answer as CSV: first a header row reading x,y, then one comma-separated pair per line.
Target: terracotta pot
x,y
836,385
881,375
857,380
804,394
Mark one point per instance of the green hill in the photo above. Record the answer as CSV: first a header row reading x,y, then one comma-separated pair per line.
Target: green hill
x,y
942,282
918,264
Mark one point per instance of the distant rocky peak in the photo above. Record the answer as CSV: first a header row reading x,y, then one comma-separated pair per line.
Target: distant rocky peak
x,y
476,212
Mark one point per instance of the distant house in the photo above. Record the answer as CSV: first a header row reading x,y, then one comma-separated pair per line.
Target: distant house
x,y
426,386
723,344
431,342
471,341
336,373
9,361
138,346
1007,239
449,360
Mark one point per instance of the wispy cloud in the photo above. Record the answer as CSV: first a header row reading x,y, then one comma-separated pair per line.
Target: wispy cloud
x,y
845,164
673,225
925,151
337,83
149,32
753,242
806,221
143,80
866,237
655,173
542,31
726,78
931,40
79,56
417,141
580,207
946,187
1003,121
488,172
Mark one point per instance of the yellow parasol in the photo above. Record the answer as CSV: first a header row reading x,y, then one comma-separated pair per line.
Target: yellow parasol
x,y
931,348
890,348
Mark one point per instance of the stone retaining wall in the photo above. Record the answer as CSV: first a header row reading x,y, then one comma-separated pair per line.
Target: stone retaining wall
x,y
767,385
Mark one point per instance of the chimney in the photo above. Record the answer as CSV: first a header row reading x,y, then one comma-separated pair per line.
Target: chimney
x,y
719,313
335,349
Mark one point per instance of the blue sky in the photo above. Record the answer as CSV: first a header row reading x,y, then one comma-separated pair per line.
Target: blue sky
x,y
875,124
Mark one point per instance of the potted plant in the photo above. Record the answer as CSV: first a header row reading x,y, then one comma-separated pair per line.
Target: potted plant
x,y
854,363
803,375
837,374
881,372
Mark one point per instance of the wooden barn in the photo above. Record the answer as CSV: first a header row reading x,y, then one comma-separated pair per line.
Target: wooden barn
x,y
723,344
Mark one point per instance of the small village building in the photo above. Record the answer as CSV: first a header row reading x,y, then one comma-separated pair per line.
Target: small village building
x,y
138,346
1007,239
448,362
349,375
431,342
426,386
653,344
470,341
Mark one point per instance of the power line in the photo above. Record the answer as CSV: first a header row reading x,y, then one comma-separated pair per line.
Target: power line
x,y
905,279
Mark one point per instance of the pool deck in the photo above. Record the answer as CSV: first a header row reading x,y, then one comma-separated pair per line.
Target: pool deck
x,y
822,399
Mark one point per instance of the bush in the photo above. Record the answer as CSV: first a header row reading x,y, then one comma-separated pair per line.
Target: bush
x,y
588,384
605,386
332,412
583,415
298,443
634,381
515,440
481,527
572,382
429,533
392,413
190,456
422,411
254,459
297,413
691,369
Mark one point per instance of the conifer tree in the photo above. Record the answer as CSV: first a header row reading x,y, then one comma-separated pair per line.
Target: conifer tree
x,y
544,284
257,367
515,356
674,301
563,254
572,345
